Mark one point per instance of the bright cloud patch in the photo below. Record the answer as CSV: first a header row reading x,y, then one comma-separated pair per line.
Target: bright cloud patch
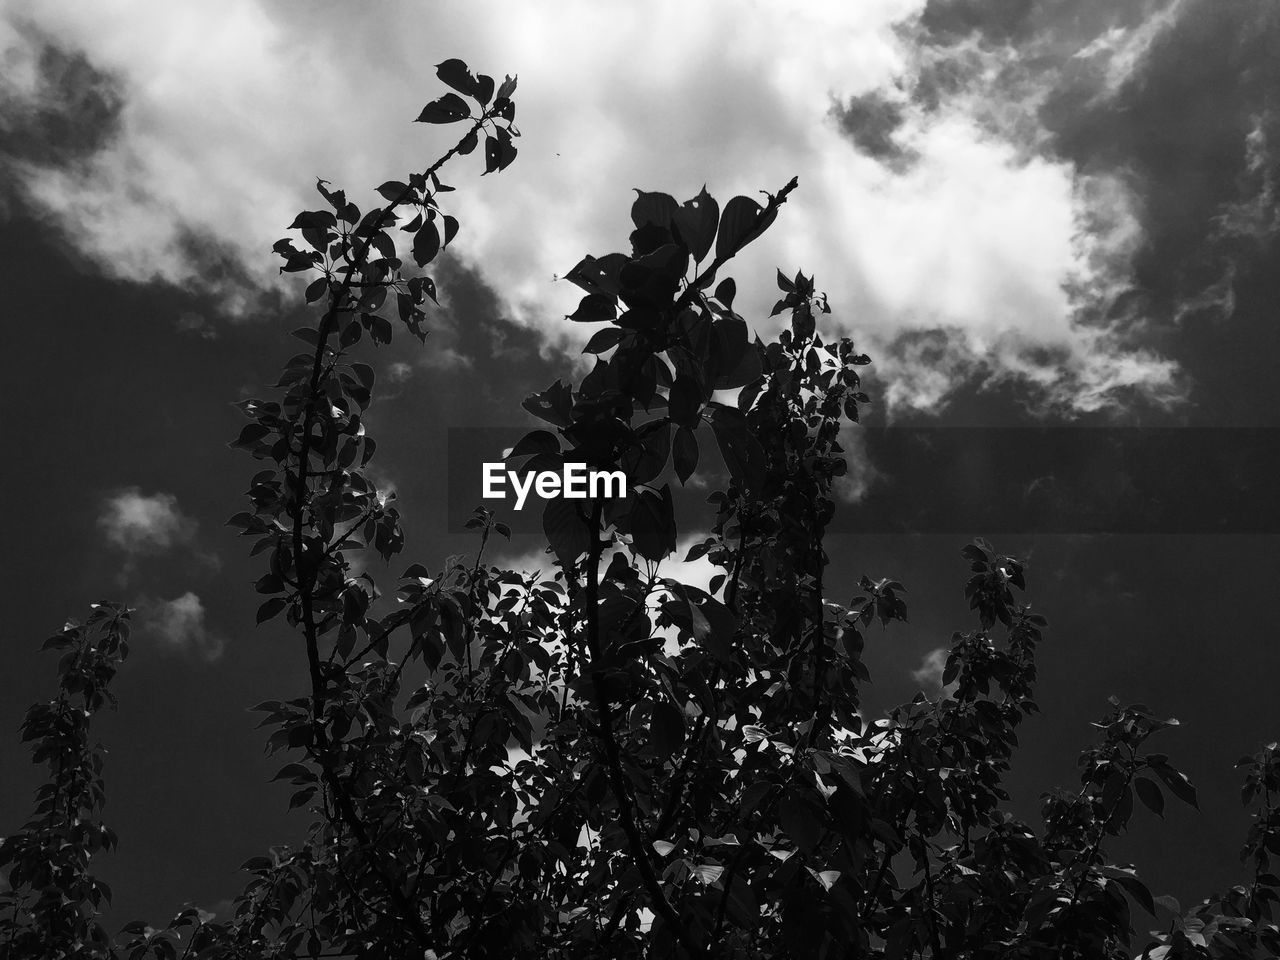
x,y
931,668
179,625
139,523
228,111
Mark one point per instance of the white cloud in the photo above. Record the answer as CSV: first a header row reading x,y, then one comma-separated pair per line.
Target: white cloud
x,y
536,560
230,110
1121,51
931,669
138,523
399,371
179,625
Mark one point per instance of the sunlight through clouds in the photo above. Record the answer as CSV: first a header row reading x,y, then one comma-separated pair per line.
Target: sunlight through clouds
x,y
226,112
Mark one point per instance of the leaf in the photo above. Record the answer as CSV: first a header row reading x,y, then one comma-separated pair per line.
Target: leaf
x,y
594,308
250,435
667,728
685,402
393,190
749,368
730,340
535,442
742,452
379,327
663,847
1131,885
784,283
800,821
696,222
316,289
565,530
456,74
827,878
295,771
554,405
301,797
685,453
499,151
754,795
707,873
654,208
448,109
426,244
604,339
653,528
1150,795
1178,783
271,608
726,290
644,461
737,224
314,220
598,274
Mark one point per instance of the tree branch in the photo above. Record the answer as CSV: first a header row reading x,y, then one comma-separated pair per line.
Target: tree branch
x,y
617,778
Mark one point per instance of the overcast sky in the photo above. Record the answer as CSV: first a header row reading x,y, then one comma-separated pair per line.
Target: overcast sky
x,y
1055,215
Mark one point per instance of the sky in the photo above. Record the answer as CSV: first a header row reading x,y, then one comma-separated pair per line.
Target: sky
x,y
1045,218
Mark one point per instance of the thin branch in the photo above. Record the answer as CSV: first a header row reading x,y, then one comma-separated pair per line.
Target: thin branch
x,y
617,778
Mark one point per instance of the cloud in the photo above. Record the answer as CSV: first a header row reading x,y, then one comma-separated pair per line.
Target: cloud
x,y
1121,50
931,669
144,525
58,105
871,120
861,474
937,204
179,625
399,371
447,358
191,322
140,524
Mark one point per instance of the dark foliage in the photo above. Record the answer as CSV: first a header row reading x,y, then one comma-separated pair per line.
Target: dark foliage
x,y
609,762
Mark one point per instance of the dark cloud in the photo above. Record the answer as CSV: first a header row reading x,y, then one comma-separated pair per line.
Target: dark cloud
x,y
70,110
1194,127
870,121
993,19
1182,122
221,277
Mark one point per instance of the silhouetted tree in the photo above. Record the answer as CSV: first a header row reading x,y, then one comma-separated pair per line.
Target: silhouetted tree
x,y
610,762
